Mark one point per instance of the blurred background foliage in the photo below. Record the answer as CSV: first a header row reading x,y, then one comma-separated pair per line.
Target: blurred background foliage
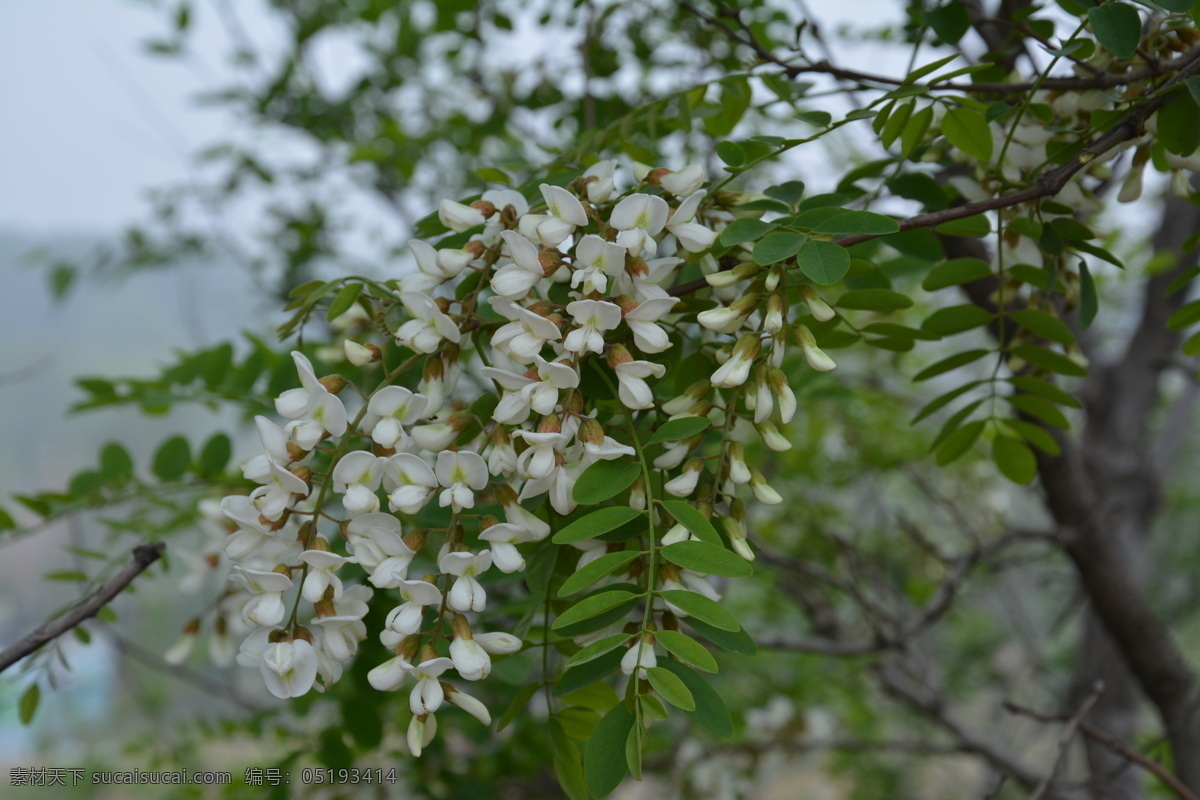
x,y
353,119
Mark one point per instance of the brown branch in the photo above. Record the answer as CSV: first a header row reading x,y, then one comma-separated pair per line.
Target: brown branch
x,y
143,556
1064,741
1117,746
824,67
1046,185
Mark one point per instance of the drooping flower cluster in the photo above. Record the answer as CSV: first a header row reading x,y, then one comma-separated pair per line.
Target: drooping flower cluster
x,y
563,313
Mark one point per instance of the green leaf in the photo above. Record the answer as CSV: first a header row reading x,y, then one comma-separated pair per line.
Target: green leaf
x,y
950,363
708,559
858,222
1185,317
687,649
710,711
603,480
1190,348
788,192
600,521
893,126
1089,303
959,442
1045,325
921,72
597,649
671,688
820,119
950,22
731,153
1117,27
593,605
689,517
899,331
884,300
576,678
71,575
1035,435
823,262
743,230
1040,408
1049,360
966,129
568,765
215,453
1098,252
1014,459
733,641
1179,123
943,400
1045,389
115,464
956,319
172,459
27,706
604,765
975,226
777,246
343,300
914,132
1176,6
595,570
702,608
680,428
517,705
955,272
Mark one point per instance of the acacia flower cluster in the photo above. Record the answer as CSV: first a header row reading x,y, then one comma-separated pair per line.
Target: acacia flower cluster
x,y
532,343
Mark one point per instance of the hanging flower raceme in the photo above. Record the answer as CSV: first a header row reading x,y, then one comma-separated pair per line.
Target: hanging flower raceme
x,y
501,377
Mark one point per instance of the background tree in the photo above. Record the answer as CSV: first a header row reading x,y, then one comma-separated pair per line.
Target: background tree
x,y
959,236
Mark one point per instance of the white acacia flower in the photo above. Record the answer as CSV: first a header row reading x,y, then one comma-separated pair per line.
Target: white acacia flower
x,y
462,474
357,476
427,329
595,262
376,544
469,704
692,236
319,409
646,283
427,695
504,538
389,676
736,370
289,668
632,388
540,458
640,657
276,496
515,514
685,181
639,218
458,217
344,630
409,481
472,661
265,608
466,594
389,411
421,730
643,322
434,267
321,564
600,189
691,582
559,484
672,455
275,442
515,279
593,317
405,619
546,230
564,205
685,483
526,334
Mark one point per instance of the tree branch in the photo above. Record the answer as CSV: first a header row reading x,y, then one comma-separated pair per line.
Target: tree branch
x,y
143,556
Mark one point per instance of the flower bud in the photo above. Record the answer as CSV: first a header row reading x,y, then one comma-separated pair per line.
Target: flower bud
x,y
816,357
816,306
684,484
726,278
360,355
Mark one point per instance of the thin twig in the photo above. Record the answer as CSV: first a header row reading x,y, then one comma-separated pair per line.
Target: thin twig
x,y
143,556
1064,741
1117,746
